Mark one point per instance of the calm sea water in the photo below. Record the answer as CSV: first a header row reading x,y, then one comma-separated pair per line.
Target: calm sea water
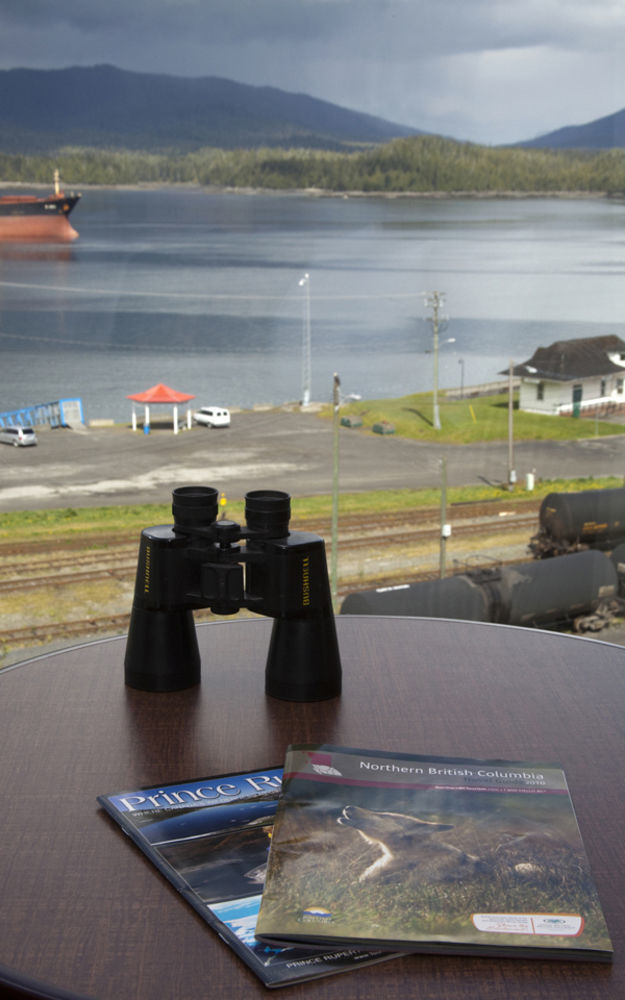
x,y
202,291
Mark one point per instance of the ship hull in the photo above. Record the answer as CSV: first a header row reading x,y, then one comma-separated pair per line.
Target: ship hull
x,y
25,219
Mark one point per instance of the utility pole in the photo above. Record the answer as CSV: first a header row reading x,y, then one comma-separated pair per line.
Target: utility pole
x,y
337,399
511,469
445,527
336,406
434,301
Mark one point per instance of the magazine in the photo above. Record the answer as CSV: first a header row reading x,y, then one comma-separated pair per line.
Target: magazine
x,y
397,851
210,838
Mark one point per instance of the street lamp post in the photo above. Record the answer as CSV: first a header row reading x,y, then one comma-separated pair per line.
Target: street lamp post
x,y
306,366
461,363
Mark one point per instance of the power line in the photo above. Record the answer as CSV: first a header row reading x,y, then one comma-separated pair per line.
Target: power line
x,y
201,296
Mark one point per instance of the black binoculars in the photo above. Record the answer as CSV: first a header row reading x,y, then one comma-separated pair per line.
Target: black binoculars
x,y
196,563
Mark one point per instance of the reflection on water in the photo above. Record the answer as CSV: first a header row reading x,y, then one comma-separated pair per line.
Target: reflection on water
x,y
25,253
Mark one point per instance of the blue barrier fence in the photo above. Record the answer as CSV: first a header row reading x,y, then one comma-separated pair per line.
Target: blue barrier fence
x,y
61,413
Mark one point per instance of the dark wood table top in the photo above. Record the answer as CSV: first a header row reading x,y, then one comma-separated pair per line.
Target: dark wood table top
x,y
84,913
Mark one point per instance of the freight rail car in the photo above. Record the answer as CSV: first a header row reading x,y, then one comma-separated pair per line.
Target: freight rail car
x,y
579,590
570,522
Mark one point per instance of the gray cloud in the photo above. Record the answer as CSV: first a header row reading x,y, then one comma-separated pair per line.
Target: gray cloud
x,y
488,70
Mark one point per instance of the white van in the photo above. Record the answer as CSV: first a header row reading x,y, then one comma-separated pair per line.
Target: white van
x,y
212,416
18,436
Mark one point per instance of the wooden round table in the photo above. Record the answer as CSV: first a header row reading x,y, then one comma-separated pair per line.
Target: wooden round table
x,y
84,913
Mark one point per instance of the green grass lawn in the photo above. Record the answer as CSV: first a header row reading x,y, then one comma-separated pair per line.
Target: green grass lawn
x,y
466,421
96,522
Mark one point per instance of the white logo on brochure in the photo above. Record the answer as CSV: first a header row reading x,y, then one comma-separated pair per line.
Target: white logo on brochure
x,y
560,924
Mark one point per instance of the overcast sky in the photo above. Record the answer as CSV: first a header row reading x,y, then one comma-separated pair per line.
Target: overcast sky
x,y
490,71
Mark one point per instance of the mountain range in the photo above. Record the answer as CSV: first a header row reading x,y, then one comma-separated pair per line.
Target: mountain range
x,y
602,133
105,107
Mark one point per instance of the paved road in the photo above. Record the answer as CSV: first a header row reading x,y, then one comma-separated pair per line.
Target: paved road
x,y
266,449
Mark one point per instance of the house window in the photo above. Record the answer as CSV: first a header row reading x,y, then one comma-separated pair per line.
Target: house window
x,y
540,390
602,388
619,386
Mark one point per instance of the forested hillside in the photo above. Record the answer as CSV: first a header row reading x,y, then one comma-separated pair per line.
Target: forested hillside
x,y
424,164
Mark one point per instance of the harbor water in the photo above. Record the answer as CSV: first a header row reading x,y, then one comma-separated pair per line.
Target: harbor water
x,y
203,291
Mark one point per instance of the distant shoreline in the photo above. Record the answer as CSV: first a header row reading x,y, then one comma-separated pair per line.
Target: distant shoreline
x,y
330,193
421,195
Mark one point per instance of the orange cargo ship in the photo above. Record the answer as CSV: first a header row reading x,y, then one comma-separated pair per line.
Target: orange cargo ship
x,y
29,219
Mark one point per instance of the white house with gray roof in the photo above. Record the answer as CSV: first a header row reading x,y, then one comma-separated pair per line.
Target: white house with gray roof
x,y
574,377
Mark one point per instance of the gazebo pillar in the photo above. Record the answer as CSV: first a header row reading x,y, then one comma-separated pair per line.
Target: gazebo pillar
x,y
134,418
175,418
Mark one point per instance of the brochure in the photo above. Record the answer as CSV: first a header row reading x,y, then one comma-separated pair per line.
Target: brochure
x,y
210,838
398,851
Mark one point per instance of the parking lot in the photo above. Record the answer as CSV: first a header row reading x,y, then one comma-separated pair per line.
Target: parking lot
x,y
275,449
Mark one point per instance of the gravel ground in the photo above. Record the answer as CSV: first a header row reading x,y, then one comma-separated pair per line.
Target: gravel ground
x,y
276,449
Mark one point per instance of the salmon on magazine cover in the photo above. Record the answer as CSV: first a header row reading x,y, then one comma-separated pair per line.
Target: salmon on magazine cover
x,y
398,851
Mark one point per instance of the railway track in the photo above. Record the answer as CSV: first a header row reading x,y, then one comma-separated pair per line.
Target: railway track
x,y
119,561
98,625
414,536
81,628
56,576
40,566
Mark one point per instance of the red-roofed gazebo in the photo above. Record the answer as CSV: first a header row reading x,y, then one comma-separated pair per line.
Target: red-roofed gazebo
x,y
159,394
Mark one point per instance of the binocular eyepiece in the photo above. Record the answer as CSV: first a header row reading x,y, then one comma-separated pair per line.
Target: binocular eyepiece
x,y
196,562
194,506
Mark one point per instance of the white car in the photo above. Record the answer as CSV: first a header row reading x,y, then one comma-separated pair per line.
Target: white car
x,y
212,416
